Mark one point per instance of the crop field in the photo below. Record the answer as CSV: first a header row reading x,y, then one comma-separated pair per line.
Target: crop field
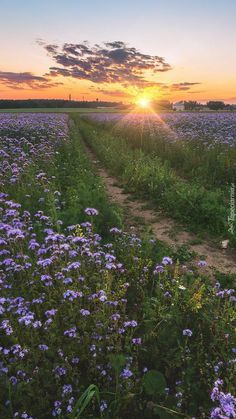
x,y
97,321
58,110
184,162
209,127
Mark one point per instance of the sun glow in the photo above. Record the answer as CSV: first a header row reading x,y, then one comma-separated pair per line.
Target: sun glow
x,y
143,102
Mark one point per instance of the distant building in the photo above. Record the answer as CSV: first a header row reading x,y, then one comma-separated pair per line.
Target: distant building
x,y
179,106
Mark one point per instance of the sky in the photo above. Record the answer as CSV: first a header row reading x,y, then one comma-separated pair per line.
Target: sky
x,y
118,50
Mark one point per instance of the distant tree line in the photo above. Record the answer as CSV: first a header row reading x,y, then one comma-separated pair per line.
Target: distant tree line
x,y
193,105
213,105
54,103
216,105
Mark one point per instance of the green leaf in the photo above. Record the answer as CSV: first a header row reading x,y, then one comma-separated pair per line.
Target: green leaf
x,y
118,362
154,382
81,404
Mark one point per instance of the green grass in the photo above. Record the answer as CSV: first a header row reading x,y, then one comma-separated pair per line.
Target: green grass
x,y
214,167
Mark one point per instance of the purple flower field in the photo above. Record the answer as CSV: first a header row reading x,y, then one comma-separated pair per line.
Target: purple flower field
x,y
26,138
212,127
116,321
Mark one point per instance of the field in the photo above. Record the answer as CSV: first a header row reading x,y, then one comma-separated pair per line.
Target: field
x,y
184,163
96,320
57,110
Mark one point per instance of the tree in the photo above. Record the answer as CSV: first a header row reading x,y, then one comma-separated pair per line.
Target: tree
x,y
191,105
215,105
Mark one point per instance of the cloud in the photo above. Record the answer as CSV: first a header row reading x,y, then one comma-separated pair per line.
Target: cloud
x,y
25,80
183,86
111,62
115,93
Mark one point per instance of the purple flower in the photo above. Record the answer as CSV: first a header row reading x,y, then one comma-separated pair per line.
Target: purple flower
x,y
131,323
115,316
91,211
103,405
126,373
60,371
202,263
227,402
43,347
84,312
27,319
45,262
67,389
5,325
46,279
71,333
74,266
72,295
187,332
158,269
13,380
137,341
115,230
51,312
167,260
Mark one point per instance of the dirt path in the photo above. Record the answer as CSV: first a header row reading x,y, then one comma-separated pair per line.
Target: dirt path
x,y
163,228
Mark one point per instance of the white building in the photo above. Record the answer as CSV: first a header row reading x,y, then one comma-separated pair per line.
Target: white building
x,y
179,106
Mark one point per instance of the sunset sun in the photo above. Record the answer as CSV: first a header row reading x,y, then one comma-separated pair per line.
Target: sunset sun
x,y
143,102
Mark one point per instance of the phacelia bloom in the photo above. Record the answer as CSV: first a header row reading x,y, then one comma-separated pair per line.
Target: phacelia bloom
x,y
167,260
91,211
27,319
158,269
60,371
57,411
72,295
227,402
75,360
51,312
45,262
43,347
103,405
74,265
187,332
115,316
71,333
131,323
84,312
126,373
67,389
115,230
13,380
5,325
202,263
46,279
137,341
